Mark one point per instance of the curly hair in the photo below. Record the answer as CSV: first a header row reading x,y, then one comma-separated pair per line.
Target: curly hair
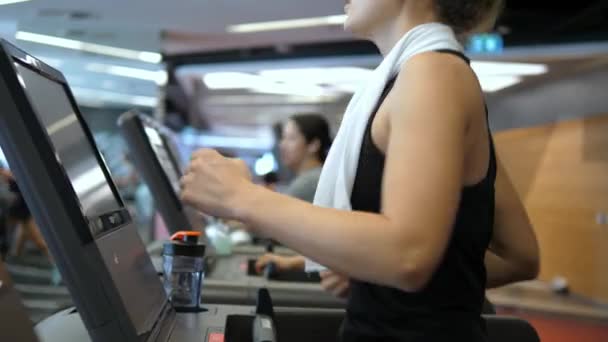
x,y
468,16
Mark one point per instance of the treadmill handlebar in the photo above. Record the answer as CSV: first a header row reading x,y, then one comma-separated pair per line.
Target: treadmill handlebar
x,y
263,323
264,304
263,329
270,270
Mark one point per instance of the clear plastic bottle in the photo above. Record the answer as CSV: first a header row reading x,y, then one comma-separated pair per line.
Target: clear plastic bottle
x,y
184,270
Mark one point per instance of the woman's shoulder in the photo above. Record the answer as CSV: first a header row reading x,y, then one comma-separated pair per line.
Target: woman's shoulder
x,y
446,69
304,185
308,177
435,80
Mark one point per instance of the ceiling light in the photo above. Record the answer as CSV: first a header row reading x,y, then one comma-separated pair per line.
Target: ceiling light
x,y
484,68
159,76
144,56
259,84
233,80
216,141
290,89
319,75
488,84
107,96
347,87
8,2
492,84
287,24
268,100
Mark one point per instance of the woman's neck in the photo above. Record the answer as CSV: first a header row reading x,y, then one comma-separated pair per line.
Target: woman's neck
x,y
309,164
387,36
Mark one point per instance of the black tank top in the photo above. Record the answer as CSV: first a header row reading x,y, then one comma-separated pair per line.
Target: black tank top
x,y
449,307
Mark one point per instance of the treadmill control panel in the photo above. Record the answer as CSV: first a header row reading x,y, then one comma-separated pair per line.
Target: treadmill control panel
x,y
215,335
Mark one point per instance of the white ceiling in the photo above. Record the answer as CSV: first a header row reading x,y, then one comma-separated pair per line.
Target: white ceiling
x,y
137,24
201,25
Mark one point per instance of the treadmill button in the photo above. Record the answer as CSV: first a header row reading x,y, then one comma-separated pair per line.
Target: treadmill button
x,y
216,337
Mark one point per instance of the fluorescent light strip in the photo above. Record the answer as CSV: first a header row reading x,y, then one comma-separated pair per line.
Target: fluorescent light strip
x,y
234,80
290,89
226,141
339,75
159,77
108,96
287,24
493,76
8,2
259,84
144,56
488,84
258,99
492,84
331,75
484,68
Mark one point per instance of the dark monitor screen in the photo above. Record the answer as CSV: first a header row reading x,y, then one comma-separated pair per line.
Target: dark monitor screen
x,y
122,251
164,157
73,149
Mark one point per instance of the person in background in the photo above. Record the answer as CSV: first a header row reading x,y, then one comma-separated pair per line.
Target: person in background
x,y
305,141
19,214
304,145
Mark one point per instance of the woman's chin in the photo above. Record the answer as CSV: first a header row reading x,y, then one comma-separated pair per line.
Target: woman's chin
x,y
352,27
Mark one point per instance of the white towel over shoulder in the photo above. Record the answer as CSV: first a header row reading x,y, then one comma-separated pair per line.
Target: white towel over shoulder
x,y
338,175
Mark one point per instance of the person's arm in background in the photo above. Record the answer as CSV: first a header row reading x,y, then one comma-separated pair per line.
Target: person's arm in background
x,y
282,262
513,254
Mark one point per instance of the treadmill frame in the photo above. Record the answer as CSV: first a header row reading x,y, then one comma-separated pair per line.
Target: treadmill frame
x,y
176,215
54,205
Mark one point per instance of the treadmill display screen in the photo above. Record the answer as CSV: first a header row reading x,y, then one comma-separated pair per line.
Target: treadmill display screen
x,y
160,150
74,150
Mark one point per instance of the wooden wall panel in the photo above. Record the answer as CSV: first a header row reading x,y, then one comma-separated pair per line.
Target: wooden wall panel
x,y
561,172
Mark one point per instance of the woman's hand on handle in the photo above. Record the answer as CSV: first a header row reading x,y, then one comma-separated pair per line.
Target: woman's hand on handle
x,y
213,183
283,263
335,283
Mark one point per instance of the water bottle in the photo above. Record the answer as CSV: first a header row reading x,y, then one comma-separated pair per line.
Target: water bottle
x,y
184,270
